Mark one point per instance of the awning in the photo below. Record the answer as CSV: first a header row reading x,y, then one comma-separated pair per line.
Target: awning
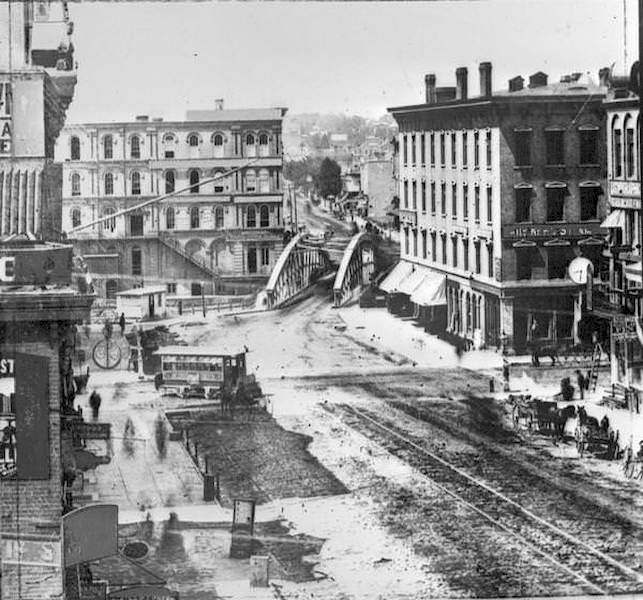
x,y
399,272
410,283
633,272
431,292
615,220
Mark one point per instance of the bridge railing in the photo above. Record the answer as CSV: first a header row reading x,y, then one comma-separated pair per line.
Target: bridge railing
x,y
356,267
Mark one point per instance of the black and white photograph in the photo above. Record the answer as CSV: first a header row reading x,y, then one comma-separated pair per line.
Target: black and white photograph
x,y
321,300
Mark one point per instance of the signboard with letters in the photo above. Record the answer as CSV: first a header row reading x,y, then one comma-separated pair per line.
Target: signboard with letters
x,y
6,135
543,231
624,328
30,550
144,592
94,431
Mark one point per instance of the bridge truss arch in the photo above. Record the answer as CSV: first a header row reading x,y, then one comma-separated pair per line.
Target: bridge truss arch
x,y
356,268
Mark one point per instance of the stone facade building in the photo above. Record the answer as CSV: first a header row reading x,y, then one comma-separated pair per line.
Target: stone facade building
x,y
214,236
498,193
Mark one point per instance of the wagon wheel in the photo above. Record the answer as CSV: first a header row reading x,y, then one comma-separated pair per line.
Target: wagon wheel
x,y
106,354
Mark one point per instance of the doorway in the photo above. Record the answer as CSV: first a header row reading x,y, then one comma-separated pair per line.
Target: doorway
x,y
150,299
252,259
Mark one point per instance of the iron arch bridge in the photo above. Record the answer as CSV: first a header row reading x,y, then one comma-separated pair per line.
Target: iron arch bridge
x,y
356,268
302,262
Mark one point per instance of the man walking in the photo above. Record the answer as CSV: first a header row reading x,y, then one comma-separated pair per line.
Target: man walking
x,y
121,323
580,380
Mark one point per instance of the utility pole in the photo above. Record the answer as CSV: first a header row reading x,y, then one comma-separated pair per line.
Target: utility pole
x,y
294,199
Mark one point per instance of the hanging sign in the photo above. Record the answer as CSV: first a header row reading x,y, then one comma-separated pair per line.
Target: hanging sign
x,y
6,136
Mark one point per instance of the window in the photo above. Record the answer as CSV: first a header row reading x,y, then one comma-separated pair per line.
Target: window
x,y
422,149
251,216
169,182
196,290
75,184
588,139
264,216
442,150
555,203
135,147
523,204
629,152
589,202
524,258
434,248
423,196
557,261
433,197
413,151
454,251
465,202
194,181
488,149
250,140
75,217
136,183
478,257
219,185
193,140
555,147
490,261
476,203
432,149
218,140
169,218
617,150
414,191
415,242
169,154
251,181
75,148
109,224
263,139
523,148
265,256
406,194
171,288
476,149
406,241
108,147
109,184
443,198
465,153
137,267
453,150
444,249
195,217
454,200
489,204
218,217
405,150
264,181
465,254
111,287
424,248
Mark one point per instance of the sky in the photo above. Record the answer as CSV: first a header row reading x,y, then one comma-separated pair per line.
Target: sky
x,y
162,58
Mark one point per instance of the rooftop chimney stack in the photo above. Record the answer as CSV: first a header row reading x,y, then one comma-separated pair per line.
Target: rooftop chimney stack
x,y
540,79
461,76
516,83
429,87
218,103
485,79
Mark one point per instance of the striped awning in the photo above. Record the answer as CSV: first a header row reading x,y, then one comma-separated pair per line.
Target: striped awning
x,y
633,272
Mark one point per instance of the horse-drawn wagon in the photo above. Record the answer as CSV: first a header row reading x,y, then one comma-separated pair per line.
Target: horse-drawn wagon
x,y
540,416
592,436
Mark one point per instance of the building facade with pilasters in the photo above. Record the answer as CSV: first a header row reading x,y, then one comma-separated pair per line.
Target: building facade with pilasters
x,y
498,193
223,234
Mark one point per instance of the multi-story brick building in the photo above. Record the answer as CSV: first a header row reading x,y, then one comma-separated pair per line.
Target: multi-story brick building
x,y
499,192
224,234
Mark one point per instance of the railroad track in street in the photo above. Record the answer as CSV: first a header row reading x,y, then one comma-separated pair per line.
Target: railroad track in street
x,y
595,570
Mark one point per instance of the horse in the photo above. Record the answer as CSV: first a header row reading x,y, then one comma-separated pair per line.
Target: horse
x,y
522,411
559,418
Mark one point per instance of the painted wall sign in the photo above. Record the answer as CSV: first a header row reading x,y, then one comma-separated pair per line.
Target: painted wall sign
x,y
6,134
144,592
43,552
624,328
519,232
90,533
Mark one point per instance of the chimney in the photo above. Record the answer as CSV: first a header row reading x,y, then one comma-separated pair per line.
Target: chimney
x,y
461,83
604,77
516,84
142,118
485,79
538,80
218,103
429,87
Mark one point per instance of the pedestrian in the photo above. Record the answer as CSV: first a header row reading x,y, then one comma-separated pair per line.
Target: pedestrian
x,y
95,402
587,379
505,374
580,380
121,322
535,358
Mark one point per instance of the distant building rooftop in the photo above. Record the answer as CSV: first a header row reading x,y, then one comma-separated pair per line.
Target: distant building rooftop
x,y
239,114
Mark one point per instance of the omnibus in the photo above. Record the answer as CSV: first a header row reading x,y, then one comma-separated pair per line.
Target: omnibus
x,y
199,371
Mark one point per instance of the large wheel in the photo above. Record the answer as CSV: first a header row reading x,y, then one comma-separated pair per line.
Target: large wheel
x,y
106,354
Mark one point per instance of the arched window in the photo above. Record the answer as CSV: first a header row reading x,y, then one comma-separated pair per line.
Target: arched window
x,y
264,149
193,140
194,217
264,216
168,138
251,181
219,184
137,262
75,148
263,139
108,144
250,139
630,145
218,217
264,181
218,139
136,183
251,216
135,147
169,218
194,181
169,182
109,184
75,217
617,148
75,184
